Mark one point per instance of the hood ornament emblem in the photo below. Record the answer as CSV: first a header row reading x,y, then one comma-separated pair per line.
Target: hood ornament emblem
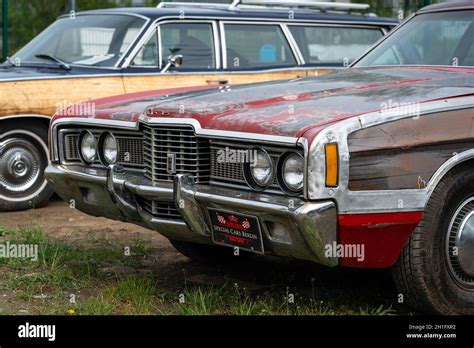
x,y
171,163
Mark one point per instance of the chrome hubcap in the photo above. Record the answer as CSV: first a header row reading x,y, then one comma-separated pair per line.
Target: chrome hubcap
x,y
20,165
460,243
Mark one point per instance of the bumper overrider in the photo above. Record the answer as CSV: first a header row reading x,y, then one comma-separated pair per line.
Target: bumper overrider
x,y
290,226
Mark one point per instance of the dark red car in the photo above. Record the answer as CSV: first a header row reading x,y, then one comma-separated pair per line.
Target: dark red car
x,y
372,166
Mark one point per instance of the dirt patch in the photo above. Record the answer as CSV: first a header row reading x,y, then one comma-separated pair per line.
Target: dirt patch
x,y
60,222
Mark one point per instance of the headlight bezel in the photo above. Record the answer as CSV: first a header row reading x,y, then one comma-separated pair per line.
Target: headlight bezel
x,y
82,135
101,148
281,173
249,176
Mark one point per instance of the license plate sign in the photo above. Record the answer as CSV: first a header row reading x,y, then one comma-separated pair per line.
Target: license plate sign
x,y
237,230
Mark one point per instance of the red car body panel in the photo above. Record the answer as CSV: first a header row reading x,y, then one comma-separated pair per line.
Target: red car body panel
x,y
383,235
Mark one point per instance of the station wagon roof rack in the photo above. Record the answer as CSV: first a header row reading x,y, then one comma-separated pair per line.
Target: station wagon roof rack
x,y
319,5
163,4
306,4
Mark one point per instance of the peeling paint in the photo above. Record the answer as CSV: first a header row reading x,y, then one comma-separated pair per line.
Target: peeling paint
x,y
292,108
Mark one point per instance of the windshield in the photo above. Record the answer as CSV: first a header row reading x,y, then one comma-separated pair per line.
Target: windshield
x,y
90,40
428,39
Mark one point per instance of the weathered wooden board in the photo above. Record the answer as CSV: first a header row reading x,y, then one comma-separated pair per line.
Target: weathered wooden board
x,y
401,168
44,97
404,154
151,82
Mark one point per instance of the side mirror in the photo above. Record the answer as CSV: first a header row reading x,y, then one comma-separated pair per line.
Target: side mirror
x,y
175,60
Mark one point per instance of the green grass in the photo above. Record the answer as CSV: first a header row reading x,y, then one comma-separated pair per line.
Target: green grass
x,y
62,269
131,295
200,301
231,300
105,281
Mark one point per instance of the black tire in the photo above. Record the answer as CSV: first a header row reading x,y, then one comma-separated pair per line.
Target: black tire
x,y
208,254
428,272
23,159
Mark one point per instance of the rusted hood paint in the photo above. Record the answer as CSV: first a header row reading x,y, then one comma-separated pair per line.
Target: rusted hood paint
x,y
289,108
127,107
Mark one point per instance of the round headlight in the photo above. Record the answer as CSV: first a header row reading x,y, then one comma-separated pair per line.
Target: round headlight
x,y
88,147
261,168
110,149
293,172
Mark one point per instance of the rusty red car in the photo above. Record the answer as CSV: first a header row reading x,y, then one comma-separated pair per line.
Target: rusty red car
x,y
369,167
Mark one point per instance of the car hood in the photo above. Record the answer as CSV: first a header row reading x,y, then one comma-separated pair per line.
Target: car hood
x,y
289,108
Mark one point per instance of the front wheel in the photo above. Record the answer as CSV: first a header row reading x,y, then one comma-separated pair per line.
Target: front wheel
x,y
435,271
23,159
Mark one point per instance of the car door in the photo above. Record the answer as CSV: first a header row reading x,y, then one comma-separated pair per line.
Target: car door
x,y
196,40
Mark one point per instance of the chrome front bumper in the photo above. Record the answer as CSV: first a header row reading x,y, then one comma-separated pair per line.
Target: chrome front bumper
x,y
290,226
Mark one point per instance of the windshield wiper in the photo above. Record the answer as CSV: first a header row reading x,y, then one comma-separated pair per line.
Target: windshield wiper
x,y
60,62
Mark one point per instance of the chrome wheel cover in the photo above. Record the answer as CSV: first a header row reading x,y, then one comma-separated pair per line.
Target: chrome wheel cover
x,y
20,166
460,244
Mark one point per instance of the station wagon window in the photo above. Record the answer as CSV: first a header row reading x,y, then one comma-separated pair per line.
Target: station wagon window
x,y
333,45
148,54
194,41
84,40
256,46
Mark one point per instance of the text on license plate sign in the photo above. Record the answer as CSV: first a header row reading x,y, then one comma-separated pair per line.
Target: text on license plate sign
x,y
236,230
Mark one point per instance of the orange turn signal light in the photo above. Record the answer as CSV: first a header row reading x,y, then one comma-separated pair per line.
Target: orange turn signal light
x,y
332,165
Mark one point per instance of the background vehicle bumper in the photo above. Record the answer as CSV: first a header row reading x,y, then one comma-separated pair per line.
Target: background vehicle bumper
x,y
290,226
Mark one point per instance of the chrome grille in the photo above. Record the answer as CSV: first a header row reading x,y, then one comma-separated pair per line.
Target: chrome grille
x,y
71,150
226,171
130,150
190,153
161,210
231,172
